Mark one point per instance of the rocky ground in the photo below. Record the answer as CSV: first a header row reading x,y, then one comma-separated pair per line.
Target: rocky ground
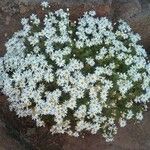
x,y
20,134
6,141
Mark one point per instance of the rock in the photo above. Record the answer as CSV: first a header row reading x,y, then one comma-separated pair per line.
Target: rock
x,y
137,14
68,2
5,34
141,24
9,6
7,142
8,19
103,10
30,131
23,9
125,8
145,4
77,11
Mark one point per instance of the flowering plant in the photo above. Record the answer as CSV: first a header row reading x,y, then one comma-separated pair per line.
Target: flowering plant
x,y
79,76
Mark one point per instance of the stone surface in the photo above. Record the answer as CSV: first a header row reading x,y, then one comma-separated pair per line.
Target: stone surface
x,y
6,141
67,2
23,9
141,24
137,14
126,8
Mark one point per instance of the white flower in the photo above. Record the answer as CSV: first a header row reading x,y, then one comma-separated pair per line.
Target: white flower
x,y
124,86
24,21
139,116
90,61
122,122
81,112
44,4
92,13
129,114
34,19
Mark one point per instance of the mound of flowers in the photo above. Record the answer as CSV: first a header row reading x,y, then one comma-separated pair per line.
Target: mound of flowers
x,y
89,75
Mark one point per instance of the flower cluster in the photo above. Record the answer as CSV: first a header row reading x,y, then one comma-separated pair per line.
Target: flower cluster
x,y
88,75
